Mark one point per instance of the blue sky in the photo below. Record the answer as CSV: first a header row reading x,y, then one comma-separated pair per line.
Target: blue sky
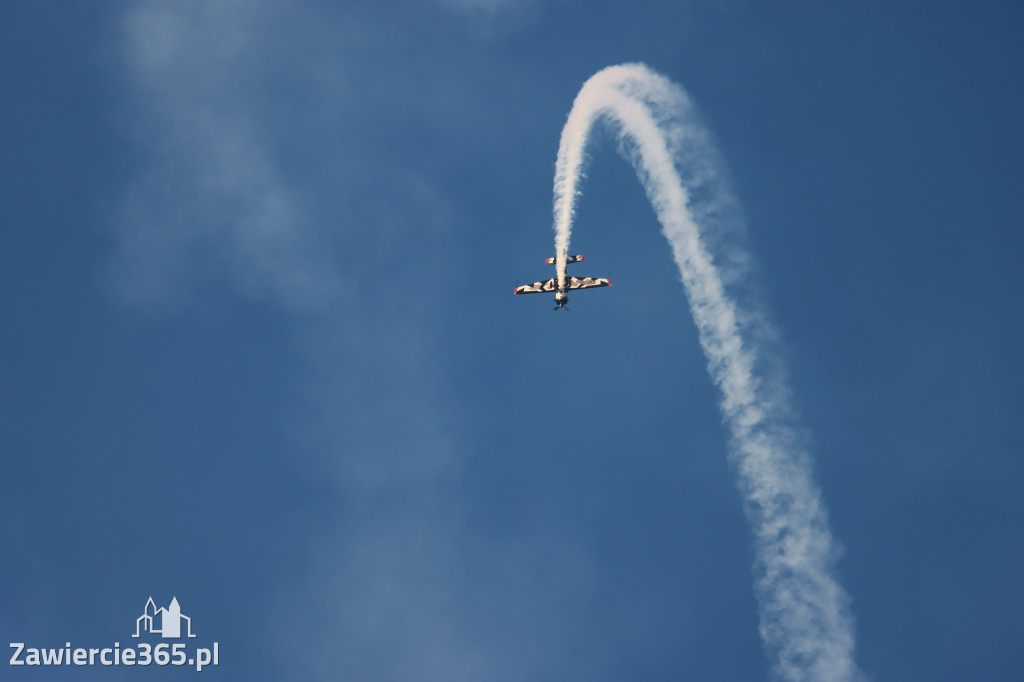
x,y
261,352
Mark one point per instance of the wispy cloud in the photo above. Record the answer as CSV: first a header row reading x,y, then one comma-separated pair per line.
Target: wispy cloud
x,y
213,197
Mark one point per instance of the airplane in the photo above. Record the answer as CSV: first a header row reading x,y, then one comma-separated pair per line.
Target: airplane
x,y
561,293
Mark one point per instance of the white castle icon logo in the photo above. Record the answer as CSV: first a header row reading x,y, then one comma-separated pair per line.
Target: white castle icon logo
x,y
170,620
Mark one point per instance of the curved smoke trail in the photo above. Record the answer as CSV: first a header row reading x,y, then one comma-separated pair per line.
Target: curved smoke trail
x,y
805,617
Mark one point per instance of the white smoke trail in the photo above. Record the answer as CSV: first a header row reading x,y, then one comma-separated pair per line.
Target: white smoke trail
x,y
806,623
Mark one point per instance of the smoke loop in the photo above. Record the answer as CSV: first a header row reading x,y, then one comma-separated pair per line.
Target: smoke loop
x,y
806,624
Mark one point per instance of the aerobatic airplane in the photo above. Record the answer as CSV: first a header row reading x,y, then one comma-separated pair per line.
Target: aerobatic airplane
x,y
561,293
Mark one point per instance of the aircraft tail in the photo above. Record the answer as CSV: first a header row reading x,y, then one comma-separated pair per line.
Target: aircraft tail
x,y
568,259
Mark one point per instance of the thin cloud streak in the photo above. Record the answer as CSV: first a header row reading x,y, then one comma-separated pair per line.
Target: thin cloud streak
x,y
213,195
806,623
225,192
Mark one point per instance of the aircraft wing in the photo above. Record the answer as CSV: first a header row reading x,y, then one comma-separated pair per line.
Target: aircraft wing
x,y
538,287
587,282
